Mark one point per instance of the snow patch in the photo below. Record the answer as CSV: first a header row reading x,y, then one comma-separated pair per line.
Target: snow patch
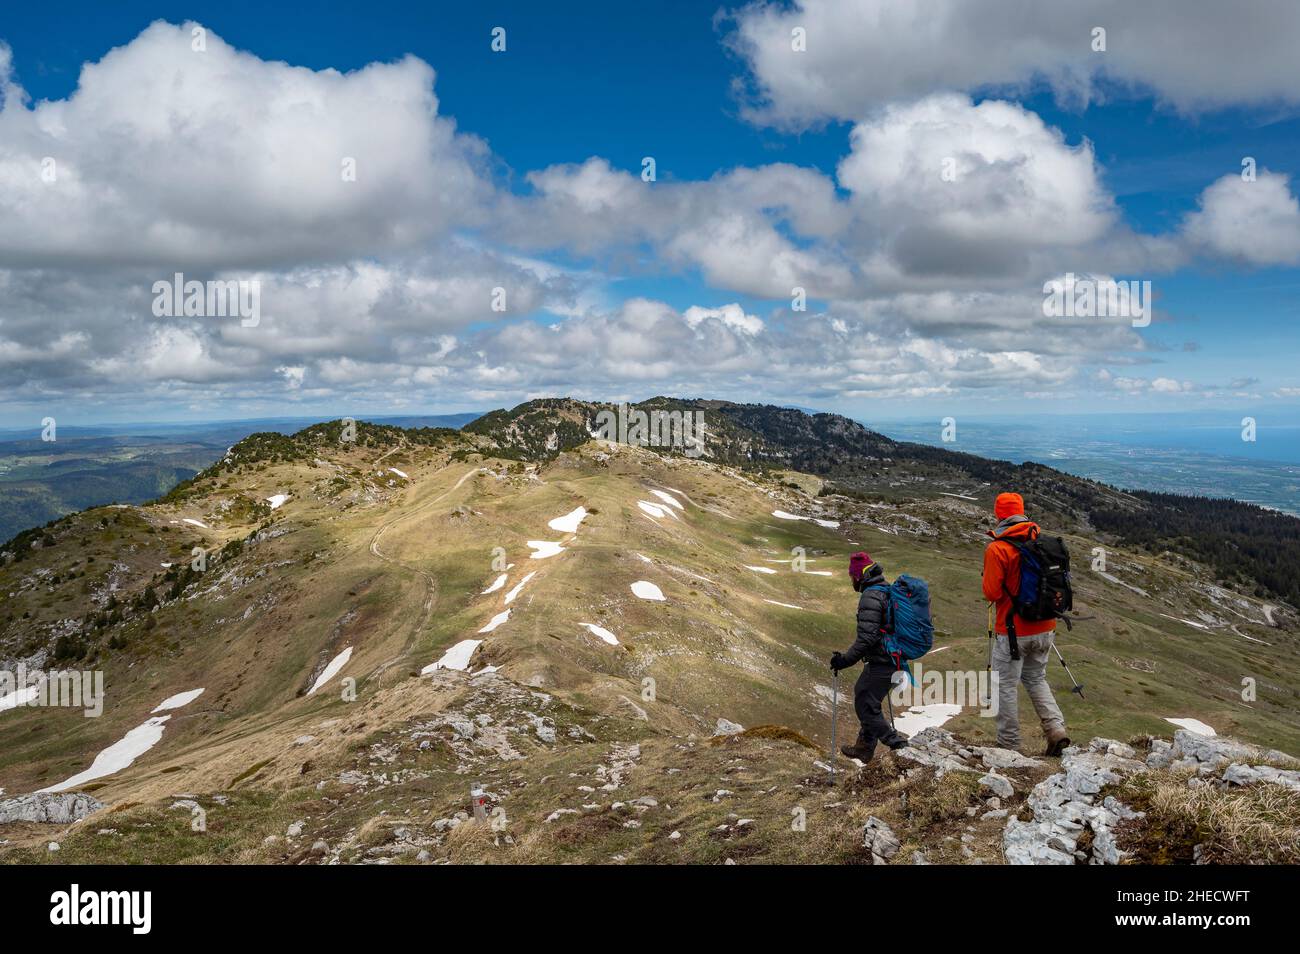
x,y
758,569
656,510
194,522
782,515
330,671
1193,725
19,697
1114,579
510,597
786,605
394,470
455,658
544,548
495,621
668,499
923,717
119,755
178,700
1188,622
569,522
277,500
499,582
603,633
647,590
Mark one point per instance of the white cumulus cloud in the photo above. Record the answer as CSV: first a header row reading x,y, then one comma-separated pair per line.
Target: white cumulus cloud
x,y
165,154
860,54
1252,221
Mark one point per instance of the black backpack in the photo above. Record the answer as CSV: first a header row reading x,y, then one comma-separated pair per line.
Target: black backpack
x,y
1044,591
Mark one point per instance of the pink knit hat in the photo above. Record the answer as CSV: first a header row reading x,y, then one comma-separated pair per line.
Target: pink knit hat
x,y
859,563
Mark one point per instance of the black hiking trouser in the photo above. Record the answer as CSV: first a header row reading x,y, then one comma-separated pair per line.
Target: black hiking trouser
x,y
869,692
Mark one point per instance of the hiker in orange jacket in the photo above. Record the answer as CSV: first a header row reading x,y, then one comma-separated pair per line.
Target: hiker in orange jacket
x,y
1033,638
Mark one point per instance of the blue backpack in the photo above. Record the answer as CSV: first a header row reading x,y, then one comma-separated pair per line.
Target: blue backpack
x,y
909,633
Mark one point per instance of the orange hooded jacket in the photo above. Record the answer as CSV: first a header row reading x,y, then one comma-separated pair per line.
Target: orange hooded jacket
x,y
1002,576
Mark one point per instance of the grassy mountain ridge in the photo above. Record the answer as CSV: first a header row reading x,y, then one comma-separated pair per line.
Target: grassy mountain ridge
x,y
265,448
91,466
1261,548
391,551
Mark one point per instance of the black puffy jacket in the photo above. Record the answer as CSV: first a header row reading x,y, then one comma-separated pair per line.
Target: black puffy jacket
x,y
872,607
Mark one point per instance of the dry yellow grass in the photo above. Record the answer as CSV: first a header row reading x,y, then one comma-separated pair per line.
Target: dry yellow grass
x,y
477,843
1254,824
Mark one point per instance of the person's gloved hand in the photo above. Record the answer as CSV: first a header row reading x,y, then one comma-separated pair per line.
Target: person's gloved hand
x,y
838,663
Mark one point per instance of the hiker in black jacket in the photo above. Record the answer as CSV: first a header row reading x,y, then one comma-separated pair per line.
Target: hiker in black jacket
x,y
877,675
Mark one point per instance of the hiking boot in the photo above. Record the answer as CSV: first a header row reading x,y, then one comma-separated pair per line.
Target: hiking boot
x,y
1057,741
900,744
862,750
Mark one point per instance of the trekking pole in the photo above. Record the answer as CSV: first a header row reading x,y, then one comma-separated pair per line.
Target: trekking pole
x,y
835,698
1077,687
988,666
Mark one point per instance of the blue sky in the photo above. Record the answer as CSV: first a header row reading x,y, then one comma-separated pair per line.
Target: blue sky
x,y
580,79
1121,163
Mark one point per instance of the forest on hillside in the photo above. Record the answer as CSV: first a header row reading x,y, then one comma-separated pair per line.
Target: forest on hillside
x,y
1243,542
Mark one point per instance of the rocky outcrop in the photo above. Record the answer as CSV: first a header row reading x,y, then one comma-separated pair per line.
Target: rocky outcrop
x,y
61,809
997,785
1239,774
880,840
1206,755
937,749
727,727
1066,806
994,759
940,750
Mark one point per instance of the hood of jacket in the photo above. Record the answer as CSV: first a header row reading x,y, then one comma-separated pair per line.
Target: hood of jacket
x,y
873,576
1017,527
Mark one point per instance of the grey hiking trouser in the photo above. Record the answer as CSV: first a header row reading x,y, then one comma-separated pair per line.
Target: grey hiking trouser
x,y
1031,669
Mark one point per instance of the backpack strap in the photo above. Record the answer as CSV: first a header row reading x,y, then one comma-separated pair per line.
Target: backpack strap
x,y
904,665
886,622
1013,641
887,631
